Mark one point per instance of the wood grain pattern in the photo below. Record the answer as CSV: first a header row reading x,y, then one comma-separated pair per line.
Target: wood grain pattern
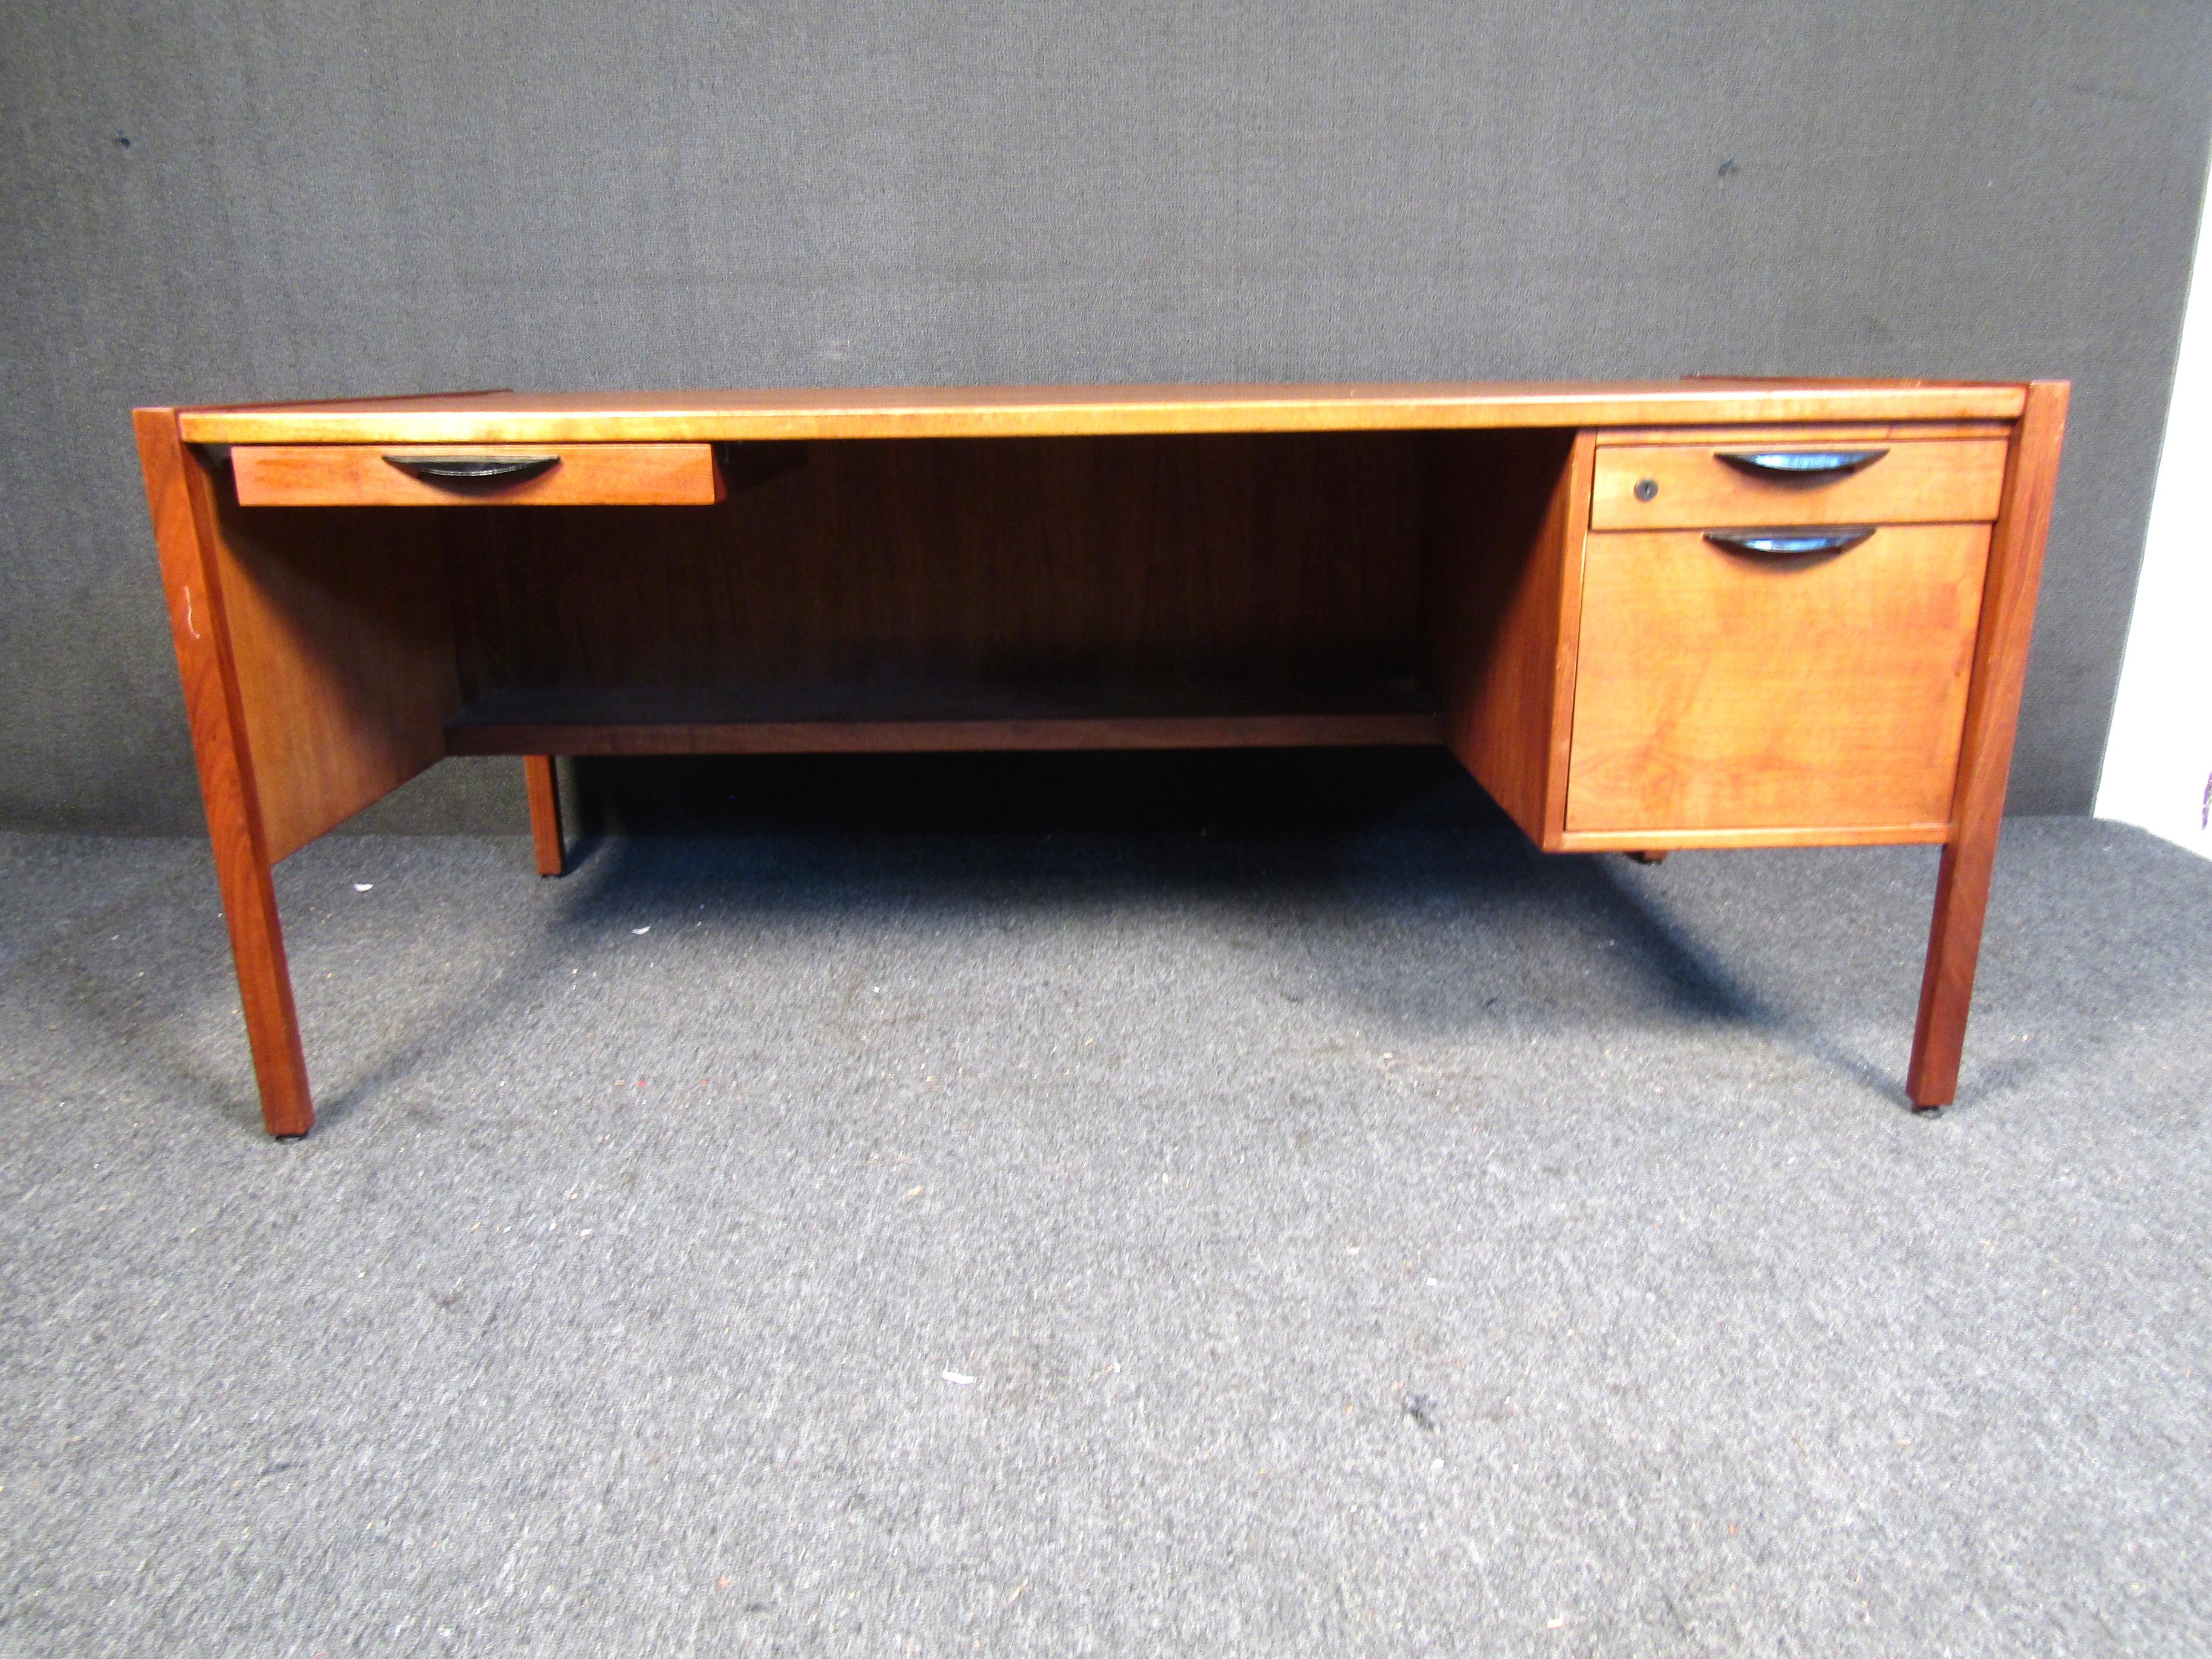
x,y
1502,578
1092,410
1117,561
1723,693
338,628
584,475
1923,482
180,497
546,839
1992,718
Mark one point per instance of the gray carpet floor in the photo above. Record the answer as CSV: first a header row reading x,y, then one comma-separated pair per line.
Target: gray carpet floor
x,y
1374,1241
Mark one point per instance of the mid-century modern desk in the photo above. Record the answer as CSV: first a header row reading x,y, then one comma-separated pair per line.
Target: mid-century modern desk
x,y
1713,613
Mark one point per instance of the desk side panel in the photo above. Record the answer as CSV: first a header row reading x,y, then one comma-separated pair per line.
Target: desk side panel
x,y
343,645
1505,524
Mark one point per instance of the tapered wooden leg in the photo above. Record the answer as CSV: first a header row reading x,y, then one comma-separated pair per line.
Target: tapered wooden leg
x,y
264,991
1947,985
1962,886
235,829
545,814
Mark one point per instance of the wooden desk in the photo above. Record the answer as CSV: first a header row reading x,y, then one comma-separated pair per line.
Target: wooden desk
x,y
1715,613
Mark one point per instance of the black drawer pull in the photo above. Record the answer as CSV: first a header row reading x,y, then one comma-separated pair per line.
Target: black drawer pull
x,y
1800,466
1789,543
473,469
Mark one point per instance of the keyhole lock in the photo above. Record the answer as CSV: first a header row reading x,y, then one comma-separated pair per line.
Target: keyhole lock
x,y
1646,489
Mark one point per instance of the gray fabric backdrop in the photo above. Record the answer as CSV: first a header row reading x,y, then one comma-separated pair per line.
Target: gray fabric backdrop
x,y
208,201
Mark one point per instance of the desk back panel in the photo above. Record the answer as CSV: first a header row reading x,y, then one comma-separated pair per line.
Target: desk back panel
x,y
989,562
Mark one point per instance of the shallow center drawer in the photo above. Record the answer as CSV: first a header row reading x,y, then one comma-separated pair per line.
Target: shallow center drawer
x,y
1784,482
476,475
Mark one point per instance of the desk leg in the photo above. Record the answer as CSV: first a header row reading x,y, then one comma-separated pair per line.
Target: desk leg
x,y
545,814
265,987
1962,887
235,830
1947,985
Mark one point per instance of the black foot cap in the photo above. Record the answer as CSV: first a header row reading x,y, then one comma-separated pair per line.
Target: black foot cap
x,y
1919,1110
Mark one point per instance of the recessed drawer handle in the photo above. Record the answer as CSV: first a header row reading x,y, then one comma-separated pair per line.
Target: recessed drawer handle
x,y
1803,467
473,469
1789,543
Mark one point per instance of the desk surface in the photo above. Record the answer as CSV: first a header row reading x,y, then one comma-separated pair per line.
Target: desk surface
x,y
1096,411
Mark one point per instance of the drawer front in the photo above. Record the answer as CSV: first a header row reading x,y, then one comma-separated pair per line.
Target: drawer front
x,y
1719,690
476,475
1692,486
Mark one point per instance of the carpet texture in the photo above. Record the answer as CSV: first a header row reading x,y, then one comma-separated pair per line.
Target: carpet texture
x,y
1376,1241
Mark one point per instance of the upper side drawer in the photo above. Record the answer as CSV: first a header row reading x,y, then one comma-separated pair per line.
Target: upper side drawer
x,y
476,475
1782,482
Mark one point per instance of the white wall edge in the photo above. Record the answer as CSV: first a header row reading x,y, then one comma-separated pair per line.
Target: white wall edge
x,y
2158,758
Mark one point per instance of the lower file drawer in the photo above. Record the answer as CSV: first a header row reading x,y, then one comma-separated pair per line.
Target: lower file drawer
x,y
1717,690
